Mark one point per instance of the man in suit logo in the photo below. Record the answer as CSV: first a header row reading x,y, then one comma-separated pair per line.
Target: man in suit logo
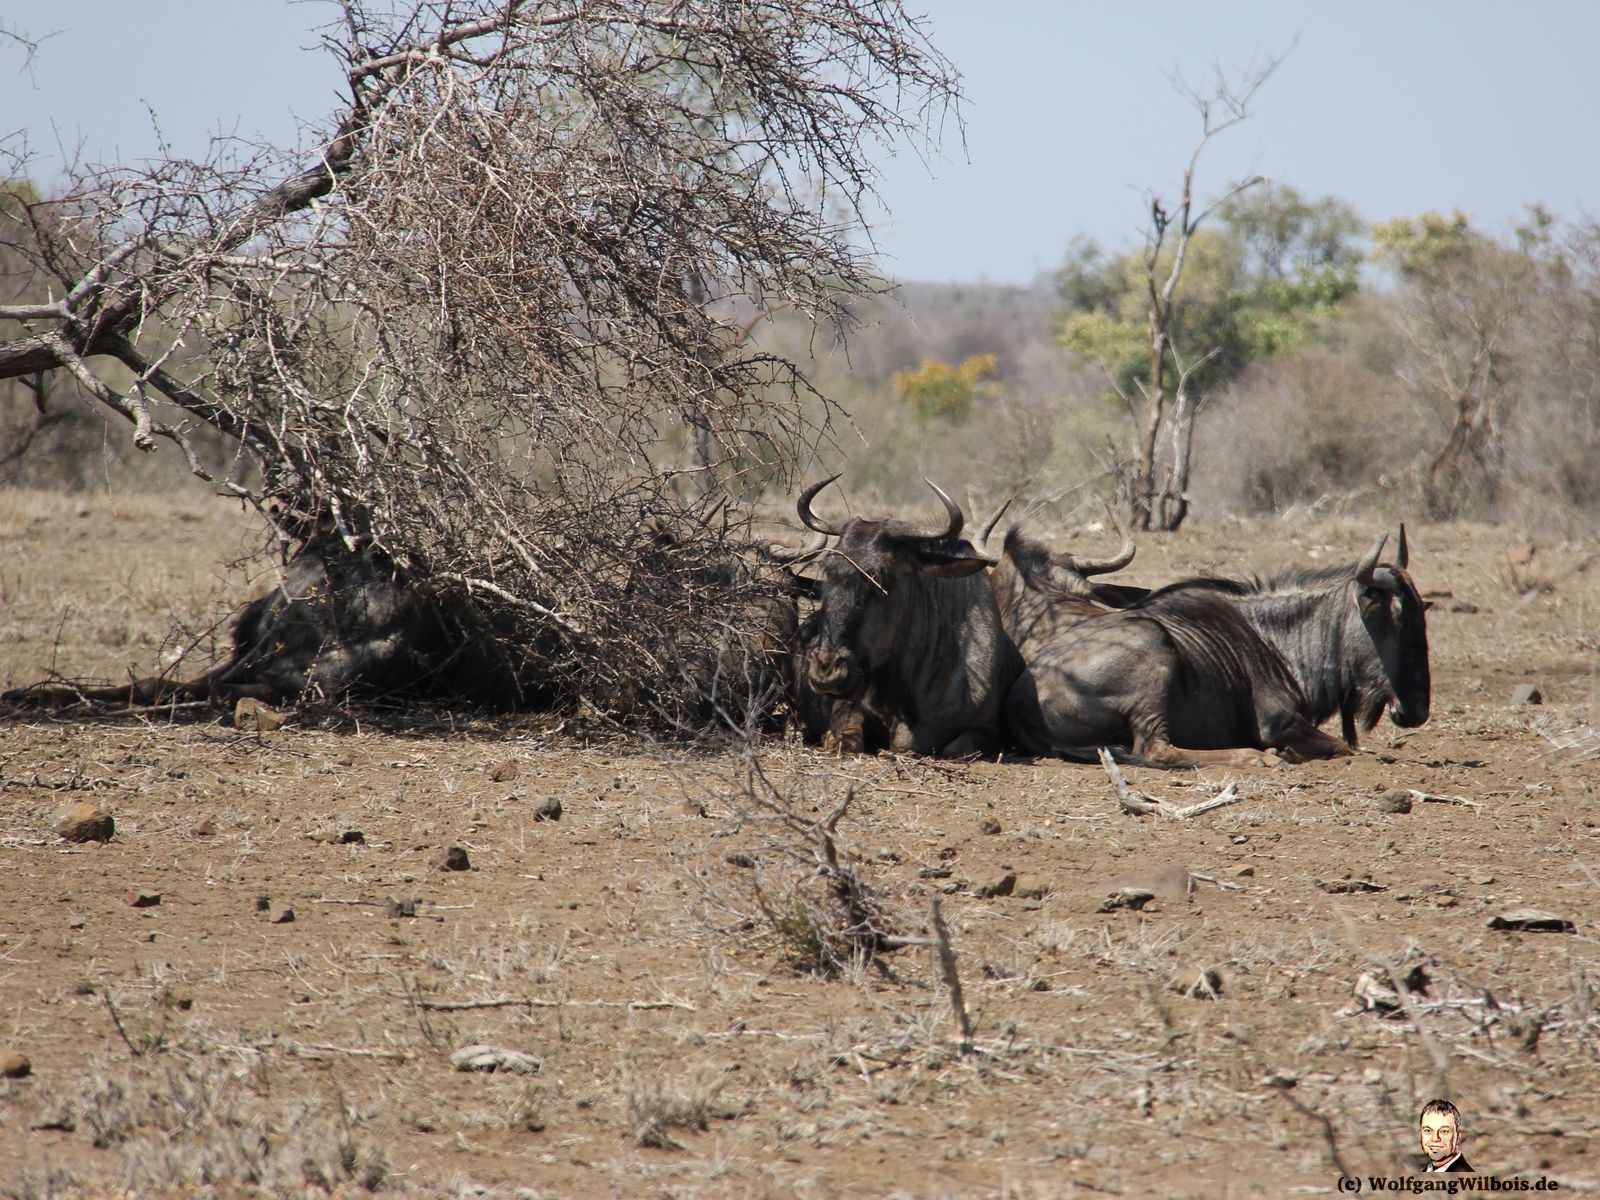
x,y
1440,1125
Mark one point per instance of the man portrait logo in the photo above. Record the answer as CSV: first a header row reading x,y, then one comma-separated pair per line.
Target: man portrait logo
x,y
1440,1133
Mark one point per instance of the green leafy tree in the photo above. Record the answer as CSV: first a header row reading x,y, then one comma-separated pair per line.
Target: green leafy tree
x,y
1263,278
937,389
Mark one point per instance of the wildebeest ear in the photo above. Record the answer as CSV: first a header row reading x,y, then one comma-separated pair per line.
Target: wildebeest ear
x,y
952,562
804,585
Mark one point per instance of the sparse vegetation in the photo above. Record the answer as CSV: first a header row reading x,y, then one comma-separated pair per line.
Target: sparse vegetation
x,y
683,1044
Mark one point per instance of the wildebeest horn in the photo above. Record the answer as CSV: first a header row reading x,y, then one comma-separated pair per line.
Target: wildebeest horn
x,y
807,517
953,527
1368,564
790,554
986,530
1403,555
1104,566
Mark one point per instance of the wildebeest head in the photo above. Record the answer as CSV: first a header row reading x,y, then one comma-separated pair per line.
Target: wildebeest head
x,y
1392,612
872,588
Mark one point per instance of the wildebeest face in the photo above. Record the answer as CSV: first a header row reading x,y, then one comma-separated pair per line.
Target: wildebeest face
x,y
1393,614
868,600
875,598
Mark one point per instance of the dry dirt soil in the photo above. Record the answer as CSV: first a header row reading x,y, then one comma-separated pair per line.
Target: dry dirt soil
x,y
643,953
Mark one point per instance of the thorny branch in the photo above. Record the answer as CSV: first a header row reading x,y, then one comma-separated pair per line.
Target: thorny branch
x,y
509,280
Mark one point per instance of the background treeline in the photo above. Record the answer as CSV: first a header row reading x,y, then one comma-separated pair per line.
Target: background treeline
x,y
1421,365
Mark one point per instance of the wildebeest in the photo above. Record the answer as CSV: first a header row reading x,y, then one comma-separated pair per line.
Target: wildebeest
x,y
1209,670
347,623
341,620
908,635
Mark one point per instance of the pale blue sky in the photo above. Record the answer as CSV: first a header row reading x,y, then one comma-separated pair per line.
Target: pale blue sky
x,y
1398,106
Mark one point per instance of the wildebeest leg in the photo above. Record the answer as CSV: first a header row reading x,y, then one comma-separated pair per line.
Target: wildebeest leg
x,y
846,729
1152,744
1298,740
1347,720
968,744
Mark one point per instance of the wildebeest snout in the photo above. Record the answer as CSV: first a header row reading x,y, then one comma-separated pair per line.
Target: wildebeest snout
x,y
831,670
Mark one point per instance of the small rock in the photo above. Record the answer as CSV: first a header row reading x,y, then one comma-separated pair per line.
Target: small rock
x,y
1371,1076
252,716
142,899
283,915
1374,994
85,822
495,1058
1032,889
1526,694
1347,887
263,902
1243,872
352,837
455,859
1416,980
1128,897
742,858
1482,879
1532,920
1395,800
203,829
14,1065
686,808
1239,839
401,906
1197,983
503,772
989,826
550,810
1463,606
1003,886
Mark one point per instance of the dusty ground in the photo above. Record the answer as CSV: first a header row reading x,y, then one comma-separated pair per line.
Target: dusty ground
x,y
201,1045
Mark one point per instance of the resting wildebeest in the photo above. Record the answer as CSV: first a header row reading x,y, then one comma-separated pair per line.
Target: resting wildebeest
x,y
908,635
341,620
347,623
1210,670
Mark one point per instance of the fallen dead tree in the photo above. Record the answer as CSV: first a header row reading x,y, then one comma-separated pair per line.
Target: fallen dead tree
x,y
481,344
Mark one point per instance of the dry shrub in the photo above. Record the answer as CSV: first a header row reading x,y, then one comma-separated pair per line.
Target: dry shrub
x,y
794,879
185,1122
658,1103
1314,429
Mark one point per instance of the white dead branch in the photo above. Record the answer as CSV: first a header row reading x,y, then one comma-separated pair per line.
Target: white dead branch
x,y
1141,805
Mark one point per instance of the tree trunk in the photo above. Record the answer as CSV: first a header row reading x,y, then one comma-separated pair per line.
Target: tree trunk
x,y
1175,496
1444,490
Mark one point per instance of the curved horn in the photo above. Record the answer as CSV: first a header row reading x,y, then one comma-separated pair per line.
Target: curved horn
x,y
986,530
951,508
1403,554
1103,566
795,554
1366,566
810,520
